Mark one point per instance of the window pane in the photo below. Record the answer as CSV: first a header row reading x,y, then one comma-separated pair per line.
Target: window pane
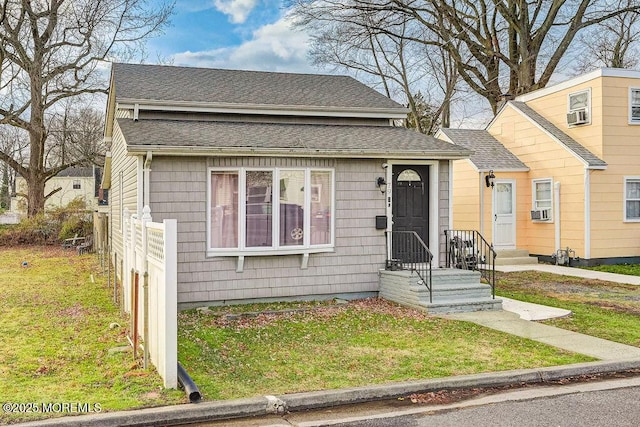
x,y
543,191
635,112
635,97
224,210
633,189
291,208
504,201
259,208
321,207
578,100
633,209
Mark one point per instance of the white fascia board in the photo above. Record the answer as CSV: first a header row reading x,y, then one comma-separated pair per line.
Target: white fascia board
x,y
276,110
602,72
235,152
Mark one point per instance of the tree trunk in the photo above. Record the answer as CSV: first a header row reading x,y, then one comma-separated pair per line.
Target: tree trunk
x,y
35,194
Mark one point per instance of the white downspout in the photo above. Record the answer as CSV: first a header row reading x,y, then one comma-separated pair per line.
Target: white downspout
x,y
481,195
556,195
146,172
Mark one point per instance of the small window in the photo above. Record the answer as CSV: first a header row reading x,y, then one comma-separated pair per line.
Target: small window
x,y
632,199
579,108
634,105
542,199
76,184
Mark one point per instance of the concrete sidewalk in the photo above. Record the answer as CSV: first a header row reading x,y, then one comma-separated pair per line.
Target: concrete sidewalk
x,y
572,271
614,357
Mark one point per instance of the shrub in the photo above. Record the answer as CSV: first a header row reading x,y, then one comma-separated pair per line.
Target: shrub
x,y
50,228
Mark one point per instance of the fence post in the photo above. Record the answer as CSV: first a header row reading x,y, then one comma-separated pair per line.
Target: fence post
x,y
170,296
146,218
126,259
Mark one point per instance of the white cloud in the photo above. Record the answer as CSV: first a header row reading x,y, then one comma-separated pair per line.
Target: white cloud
x,y
237,10
273,47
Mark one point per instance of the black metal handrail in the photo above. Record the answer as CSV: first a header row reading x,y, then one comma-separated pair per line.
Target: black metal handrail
x,y
407,251
468,250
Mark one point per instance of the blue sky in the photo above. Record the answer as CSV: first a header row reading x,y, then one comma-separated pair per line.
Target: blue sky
x,y
240,34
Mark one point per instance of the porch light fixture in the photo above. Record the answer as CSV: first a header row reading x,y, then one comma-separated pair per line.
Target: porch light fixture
x,y
381,184
488,179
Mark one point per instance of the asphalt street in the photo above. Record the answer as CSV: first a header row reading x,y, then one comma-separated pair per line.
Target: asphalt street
x,y
601,403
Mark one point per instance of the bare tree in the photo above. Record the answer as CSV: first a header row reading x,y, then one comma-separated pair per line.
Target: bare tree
x,y
391,59
613,43
51,51
499,46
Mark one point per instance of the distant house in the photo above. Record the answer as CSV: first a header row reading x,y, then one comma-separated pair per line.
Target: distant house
x,y
282,185
75,182
557,169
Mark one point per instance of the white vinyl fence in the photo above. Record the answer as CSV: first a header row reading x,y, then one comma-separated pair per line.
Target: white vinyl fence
x,y
150,289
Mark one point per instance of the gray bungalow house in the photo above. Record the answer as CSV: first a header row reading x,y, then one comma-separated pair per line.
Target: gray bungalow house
x,y
282,185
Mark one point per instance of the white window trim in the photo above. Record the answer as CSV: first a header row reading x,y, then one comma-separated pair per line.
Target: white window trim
x,y
630,117
624,200
569,109
242,250
534,200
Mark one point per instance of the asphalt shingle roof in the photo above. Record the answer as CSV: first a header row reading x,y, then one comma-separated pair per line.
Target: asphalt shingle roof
x,y
188,84
304,139
488,152
77,172
580,151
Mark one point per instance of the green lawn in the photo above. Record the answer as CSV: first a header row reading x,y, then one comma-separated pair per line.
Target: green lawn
x,y
360,343
601,309
630,269
56,337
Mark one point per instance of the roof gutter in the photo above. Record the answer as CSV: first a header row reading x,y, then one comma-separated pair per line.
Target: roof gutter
x,y
277,110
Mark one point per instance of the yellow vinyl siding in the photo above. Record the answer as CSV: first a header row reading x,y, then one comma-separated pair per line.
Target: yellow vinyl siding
x,y
554,108
546,159
611,236
465,196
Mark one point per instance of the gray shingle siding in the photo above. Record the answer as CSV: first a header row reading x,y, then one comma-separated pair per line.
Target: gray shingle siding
x,y
178,190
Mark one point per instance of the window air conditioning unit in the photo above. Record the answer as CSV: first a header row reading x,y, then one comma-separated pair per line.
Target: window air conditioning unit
x,y
541,214
577,117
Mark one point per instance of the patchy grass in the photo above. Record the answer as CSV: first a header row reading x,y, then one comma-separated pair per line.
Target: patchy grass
x,y
601,309
343,345
56,337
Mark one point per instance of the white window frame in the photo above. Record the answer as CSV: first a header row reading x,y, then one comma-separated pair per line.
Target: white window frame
x,y
625,200
78,183
275,249
535,201
570,110
633,121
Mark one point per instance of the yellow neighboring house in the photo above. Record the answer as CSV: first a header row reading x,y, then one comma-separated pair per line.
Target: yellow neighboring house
x,y
73,182
557,172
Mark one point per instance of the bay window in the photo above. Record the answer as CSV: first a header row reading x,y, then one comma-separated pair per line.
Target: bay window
x,y
270,211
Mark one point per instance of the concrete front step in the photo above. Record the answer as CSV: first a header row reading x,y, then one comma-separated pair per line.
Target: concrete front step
x,y
514,257
460,289
462,306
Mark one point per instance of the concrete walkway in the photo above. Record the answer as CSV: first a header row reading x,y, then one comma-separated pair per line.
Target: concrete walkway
x,y
516,317
572,271
512,323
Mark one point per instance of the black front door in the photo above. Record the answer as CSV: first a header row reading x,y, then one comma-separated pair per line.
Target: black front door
x,y
410,208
